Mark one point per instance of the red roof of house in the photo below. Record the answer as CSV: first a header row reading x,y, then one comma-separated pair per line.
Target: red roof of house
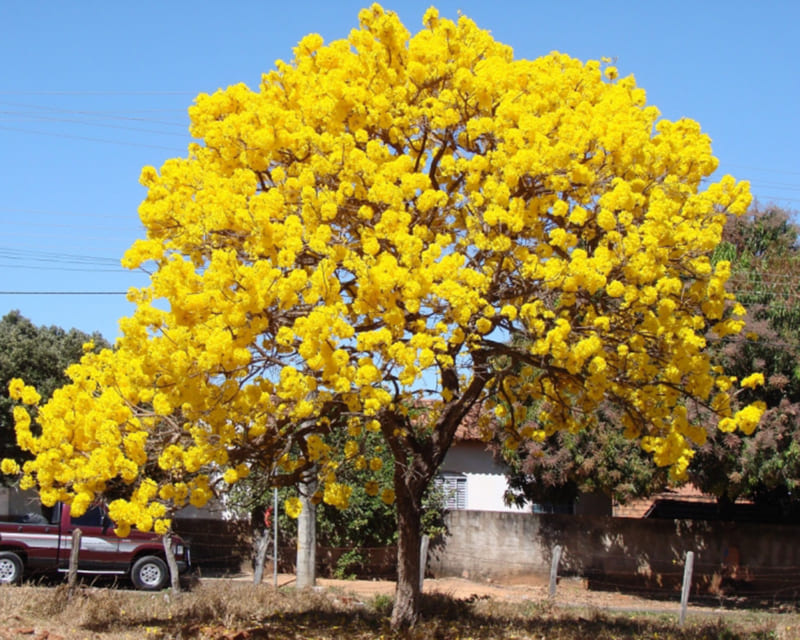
x,y
639,507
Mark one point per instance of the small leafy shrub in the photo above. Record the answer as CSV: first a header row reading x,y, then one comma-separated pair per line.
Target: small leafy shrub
x,y
381,605
348,564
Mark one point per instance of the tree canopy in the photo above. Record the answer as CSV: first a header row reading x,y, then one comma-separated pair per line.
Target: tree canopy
x,y
367,229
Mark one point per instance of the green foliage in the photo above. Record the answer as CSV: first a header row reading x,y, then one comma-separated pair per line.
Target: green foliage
x,y
349,560
765,259
557,470
432,522
765,467
367,522
40,356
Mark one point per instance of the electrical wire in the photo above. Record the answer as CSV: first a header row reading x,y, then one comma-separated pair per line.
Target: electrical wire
x,y
90,139
98,124
63,293
105,115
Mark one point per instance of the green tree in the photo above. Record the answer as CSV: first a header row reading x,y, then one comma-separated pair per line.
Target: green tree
x,y
40,355
765,466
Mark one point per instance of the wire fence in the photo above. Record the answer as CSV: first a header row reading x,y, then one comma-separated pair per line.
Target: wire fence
x,y
229,547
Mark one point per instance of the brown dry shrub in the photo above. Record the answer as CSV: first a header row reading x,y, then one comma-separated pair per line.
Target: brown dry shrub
x,y
231,603
98,609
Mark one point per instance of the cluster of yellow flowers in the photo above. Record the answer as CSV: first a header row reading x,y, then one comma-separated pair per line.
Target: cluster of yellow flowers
x,y
379,216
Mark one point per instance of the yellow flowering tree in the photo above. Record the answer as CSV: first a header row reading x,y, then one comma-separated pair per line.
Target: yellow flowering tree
x,y
371,228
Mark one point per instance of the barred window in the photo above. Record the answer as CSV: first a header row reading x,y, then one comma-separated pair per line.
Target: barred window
x,y
454,488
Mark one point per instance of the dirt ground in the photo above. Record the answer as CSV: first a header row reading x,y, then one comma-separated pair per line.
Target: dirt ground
x,y
569,591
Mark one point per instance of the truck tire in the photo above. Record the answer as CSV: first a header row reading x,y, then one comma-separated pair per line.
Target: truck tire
x,y
150,573
11,568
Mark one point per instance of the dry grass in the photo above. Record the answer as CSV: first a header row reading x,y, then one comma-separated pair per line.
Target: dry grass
x,y
239,611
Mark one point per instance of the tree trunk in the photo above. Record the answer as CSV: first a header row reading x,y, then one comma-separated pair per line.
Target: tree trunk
x,y
307,538
415,465
407,594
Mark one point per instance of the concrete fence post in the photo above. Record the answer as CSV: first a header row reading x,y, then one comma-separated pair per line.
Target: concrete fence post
x,y
306,573
687,583
423,558
74,554
554,570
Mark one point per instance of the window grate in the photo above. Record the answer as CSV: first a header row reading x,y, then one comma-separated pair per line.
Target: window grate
x,y
454,488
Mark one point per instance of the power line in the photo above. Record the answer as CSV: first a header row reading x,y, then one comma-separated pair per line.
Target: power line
x,y
51,256
786,186
77,231
88,123
750,168
90,139
99,93
45,212
63,293
94,227
73,269
104,115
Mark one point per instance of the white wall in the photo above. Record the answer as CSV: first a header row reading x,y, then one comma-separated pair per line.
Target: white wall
x,y
486,480
485,493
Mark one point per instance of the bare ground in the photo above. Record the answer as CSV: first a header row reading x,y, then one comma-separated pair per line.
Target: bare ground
x,y
573,592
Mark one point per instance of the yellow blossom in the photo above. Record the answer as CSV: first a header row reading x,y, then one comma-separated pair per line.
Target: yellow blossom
x,y
292,506
753,380
371,488
9,467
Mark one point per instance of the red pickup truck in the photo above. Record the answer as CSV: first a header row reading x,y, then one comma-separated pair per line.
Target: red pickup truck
x,y
41,543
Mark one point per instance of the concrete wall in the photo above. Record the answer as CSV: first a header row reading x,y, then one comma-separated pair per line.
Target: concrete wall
x,y
618,551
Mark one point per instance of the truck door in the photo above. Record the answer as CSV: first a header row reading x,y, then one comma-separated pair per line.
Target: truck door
x,y
38,530
99,545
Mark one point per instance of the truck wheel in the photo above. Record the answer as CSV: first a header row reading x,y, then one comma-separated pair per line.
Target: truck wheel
x,y
150,573
10,568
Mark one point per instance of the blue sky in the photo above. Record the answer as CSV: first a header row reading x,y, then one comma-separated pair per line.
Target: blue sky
x,y
92,91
